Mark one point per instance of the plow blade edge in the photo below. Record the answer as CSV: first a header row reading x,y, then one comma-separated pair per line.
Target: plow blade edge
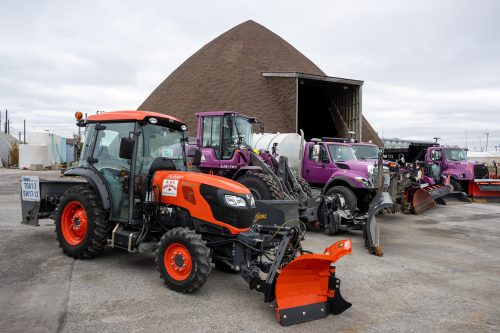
x,y
307,289
425,198
371,231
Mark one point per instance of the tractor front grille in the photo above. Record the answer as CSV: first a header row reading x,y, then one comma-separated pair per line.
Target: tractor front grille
x,y
480,171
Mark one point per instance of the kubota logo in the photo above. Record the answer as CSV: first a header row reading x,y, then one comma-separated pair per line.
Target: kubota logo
x,y
260,216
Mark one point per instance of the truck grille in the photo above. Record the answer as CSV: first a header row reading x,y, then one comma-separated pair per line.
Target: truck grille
x,y
480,171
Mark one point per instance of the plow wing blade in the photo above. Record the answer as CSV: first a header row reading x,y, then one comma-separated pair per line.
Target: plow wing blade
x,y
307,289
371,231
425,198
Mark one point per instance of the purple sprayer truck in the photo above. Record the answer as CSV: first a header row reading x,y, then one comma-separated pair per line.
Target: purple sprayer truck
x,y
224,147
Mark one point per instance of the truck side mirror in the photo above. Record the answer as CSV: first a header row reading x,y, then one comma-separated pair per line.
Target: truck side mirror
x,y
316,153
127,148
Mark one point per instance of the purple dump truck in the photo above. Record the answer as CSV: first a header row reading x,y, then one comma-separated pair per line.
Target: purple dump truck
x,y
454,164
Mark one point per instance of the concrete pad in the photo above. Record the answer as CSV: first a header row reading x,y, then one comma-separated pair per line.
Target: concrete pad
x,y
440,273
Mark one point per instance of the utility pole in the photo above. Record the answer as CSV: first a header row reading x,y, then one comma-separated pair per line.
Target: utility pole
x,y
466,139
24,130
19,136
6,120
487,137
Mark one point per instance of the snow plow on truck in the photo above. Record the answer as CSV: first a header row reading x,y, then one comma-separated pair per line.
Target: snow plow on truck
x,y
131,191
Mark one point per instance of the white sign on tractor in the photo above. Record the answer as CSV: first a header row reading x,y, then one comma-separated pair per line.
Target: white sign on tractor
x,y
30,188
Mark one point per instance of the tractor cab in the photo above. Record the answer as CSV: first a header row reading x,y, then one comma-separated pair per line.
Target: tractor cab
x,y
220,134
119,150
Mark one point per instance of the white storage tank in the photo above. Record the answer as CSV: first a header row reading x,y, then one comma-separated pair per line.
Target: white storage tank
x,y
51,140
287,144
33,154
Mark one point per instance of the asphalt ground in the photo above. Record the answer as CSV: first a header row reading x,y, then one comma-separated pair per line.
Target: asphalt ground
x,y
440,273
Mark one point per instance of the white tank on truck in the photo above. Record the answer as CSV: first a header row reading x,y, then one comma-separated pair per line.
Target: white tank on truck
x,y
290,145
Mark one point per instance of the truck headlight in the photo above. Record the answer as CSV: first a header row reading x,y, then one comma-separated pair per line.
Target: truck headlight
x,y
235,201
363,181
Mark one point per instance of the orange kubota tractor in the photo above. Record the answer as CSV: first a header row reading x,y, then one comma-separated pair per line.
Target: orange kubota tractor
x,y
134,193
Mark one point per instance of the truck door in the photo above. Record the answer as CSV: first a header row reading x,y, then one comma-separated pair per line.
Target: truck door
x,y
317,167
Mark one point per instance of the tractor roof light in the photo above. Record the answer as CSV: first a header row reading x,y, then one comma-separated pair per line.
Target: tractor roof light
x,y
78,115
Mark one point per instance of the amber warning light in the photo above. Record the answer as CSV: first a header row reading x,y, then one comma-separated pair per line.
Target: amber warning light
x,y
78,115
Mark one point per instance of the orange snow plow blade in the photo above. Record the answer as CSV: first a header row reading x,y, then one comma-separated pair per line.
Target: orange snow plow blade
x,y
307,289
425,198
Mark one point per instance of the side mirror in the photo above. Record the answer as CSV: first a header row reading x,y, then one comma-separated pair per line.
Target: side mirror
x,y
127,148
316,152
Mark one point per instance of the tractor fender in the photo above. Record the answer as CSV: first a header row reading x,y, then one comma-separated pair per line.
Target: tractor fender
x,y
96,181
245,169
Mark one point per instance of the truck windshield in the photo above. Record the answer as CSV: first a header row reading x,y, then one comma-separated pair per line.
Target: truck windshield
x,y
341,153
365,152
455,155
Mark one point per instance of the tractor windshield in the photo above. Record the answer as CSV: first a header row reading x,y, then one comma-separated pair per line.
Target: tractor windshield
x,y
341,153
237,133
455,155
364,152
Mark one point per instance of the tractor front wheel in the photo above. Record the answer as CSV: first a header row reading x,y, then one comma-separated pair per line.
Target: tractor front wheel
x,y
183,260
262,186
82,225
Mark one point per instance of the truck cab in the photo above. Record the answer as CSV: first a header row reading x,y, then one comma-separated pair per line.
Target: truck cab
x,y
334,167
454,163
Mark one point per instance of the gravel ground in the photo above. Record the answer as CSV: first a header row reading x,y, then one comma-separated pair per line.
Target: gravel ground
x,y
440,273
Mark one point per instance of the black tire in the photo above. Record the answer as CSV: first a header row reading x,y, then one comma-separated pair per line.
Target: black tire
x,y
323,220
98,226
305,186
262,186
199,255
457,187
349,197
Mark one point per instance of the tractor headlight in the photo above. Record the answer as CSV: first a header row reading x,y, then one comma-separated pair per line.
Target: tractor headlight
x,y
235,201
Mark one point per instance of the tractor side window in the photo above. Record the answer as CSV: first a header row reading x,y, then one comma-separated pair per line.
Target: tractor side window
x,y
211,133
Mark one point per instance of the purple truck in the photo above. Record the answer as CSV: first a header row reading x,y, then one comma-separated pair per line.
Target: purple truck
x,y
336,168
455,165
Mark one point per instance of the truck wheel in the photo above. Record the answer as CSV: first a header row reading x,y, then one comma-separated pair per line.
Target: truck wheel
x,y
262,186
305,186
457,187
183,260
82,225
350,201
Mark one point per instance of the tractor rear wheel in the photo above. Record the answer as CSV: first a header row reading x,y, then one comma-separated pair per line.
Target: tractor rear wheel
x,y
305,186
183,260
262,186
82,225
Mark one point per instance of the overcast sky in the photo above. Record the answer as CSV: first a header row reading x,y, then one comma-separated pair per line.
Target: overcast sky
x,y
431,68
